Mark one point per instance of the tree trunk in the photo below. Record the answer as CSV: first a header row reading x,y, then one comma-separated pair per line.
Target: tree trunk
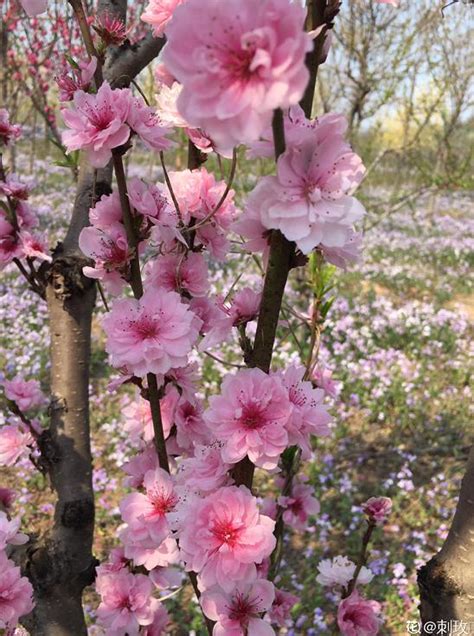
x,y
446,582
60,563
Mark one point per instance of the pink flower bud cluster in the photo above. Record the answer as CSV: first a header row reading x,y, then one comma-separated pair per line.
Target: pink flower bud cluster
x,y
16,592
18,222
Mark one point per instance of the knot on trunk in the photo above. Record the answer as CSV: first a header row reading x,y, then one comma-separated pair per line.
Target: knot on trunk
x,y
65,274
77,514
437,590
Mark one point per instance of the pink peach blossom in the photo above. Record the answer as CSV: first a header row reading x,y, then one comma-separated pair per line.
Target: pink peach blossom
x,y
205,471
145,514
14,188
166,106
109,249
394,3
35,246
309,200
76,78
26,394
160,622
106,215
250,226
346,254
216,324
250,417
146,553
299,506
98,123
8,132
13,444
158,13
245,306
191,428
16,594
137,467
279,612
144,121
180,273
358,617
126,603
309,416
237,62
138,422
224,535
150,335
9,531
378,509
238,613
298,129
198,194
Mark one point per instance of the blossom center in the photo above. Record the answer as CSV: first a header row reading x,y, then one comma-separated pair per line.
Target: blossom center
x,y
252,415
241,609
146,328
226,533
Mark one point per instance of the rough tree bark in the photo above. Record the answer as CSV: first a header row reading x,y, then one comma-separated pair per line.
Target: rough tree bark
x,y
60,563
446,582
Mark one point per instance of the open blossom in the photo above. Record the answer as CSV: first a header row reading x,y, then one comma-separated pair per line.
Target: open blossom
x,y
339,571
298,129
309,416
138,466
238,613
158,13
191,428
357,616
138,422
224,535
166,105
35,246
279,612
245,306
179,272
145,513
75,79
299,506
97,123
13,444
346,254
16,593
205,471
378,509
144,121
198,195
160,621
216,325
8,132
25,393
126,602
150,335
9,531
107,212
309,200
109,249
250,417
237,62
14,188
